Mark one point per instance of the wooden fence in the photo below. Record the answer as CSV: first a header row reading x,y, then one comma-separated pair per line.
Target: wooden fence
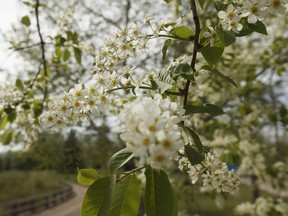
x,y
28,206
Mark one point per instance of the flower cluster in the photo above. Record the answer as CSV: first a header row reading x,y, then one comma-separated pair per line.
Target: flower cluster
x,y
120,48
74,105
252,160
9,94
214,173
95,96
253,10
86,49
262,207
150,131
160,27
64,22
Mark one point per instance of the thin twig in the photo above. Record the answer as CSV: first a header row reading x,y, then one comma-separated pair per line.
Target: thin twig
x,y
39,44
125,174
25,47
151,36
195,48
99,15
143,87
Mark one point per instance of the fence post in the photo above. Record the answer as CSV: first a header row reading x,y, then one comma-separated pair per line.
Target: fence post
x,y
16,207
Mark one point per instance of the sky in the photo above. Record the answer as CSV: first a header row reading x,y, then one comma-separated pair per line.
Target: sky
x,y
9,13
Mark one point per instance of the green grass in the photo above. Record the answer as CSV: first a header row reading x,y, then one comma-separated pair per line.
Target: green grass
x,y
20,184
196,203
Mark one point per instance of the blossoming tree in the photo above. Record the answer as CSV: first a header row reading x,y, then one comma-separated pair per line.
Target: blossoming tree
x,y
161,113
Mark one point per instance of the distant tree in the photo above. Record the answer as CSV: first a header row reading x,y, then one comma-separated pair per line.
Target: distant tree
x,y
72,153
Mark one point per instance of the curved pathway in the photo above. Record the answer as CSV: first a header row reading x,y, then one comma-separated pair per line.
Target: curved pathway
x,y
71,207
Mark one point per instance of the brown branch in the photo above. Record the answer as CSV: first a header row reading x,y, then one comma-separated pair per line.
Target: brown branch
x,y
43,60
261,72
40,44
195,48
127,9
25,47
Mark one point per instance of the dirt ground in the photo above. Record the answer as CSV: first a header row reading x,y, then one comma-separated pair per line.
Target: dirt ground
x,y
71,207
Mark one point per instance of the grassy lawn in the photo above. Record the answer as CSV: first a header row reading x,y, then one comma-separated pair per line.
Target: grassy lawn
x,y
196,203
20,184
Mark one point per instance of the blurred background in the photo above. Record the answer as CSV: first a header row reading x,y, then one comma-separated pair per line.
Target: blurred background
x,y
35,161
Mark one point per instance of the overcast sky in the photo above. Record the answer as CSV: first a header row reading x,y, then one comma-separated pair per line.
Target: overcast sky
x,y
9,13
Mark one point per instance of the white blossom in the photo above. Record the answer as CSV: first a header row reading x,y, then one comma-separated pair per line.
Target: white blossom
x,y
150,131
211,35
214,174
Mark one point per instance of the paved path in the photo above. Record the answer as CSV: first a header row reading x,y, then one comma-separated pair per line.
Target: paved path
x,y
69,208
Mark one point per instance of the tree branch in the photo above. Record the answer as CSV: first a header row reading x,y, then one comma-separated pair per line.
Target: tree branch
x,y
99,15
25,47
127,9
43,60
195,48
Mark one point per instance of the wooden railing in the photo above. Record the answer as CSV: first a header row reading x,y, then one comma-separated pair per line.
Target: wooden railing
x,y
34,204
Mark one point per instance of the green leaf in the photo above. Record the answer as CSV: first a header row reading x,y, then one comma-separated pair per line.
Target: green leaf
x,y
126,197
194,137
159,197
26,106
219,5
218,73
175,201
164,48
193,155
212,54
42,5
3,121
25,20
66,55
118,160
226,37
11,112
166,25
7,137
87,177
98,198
27,3
211,109
184,70
30,94
182,32
167,1
248,28
48,72
201,3
77,54
258,27
37,107
44,73
58,52
72,36
19,85
154,85
59,40
164,81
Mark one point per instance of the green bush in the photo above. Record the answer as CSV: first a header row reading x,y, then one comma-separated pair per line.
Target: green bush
x,y
20,184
